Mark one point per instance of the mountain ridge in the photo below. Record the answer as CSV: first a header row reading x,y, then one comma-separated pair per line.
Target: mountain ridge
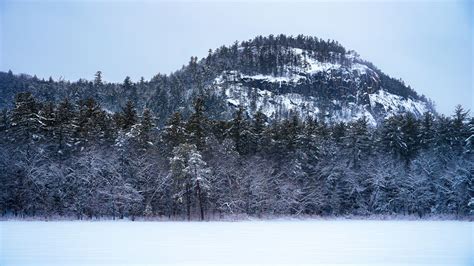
x,y
279,75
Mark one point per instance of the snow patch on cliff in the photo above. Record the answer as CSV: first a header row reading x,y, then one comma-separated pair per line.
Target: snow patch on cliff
x,y
394,104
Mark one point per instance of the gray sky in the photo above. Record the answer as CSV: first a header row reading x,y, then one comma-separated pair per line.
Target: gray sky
x,y
427,44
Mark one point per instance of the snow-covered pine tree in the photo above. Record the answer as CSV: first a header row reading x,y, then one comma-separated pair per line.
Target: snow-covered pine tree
x,y
88,130
128,116
174,133
145,128
358,142
459,130
196,125
239,132
66,126
191,178
25,122
427,131
200,175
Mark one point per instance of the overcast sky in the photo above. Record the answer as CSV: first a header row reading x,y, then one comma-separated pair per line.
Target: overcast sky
x,y
427,44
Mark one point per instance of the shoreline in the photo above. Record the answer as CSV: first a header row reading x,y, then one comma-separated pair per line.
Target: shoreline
x,y
243,218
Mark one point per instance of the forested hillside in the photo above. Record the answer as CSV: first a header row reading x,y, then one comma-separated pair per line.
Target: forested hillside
x,y
74,158
277,75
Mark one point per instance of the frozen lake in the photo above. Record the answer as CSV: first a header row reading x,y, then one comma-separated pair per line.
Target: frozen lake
x,y
308,242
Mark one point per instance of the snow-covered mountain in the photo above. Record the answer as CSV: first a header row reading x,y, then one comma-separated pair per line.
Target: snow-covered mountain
x,y
277,75
356,91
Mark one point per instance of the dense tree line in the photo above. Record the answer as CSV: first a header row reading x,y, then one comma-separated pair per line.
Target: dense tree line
x,y
76,159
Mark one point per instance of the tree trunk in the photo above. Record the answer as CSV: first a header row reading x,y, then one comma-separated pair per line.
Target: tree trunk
x,y
200,200
188,202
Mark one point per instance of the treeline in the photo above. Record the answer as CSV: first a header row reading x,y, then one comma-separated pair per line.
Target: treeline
x,y
76,159
273,55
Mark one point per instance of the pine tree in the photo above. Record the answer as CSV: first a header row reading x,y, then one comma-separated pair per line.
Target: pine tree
x,y
145,127
427,131
66,126
196,125
358,142
25,122
294,133
174,132
48,122
190,177
258,128
180,187
310,145
459,130
107,130
402,136
47,116
89,116
129,116
98,79
238,132
127,83
200,175
410,137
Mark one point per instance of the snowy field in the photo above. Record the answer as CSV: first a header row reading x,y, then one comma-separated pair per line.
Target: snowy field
x,y
307,242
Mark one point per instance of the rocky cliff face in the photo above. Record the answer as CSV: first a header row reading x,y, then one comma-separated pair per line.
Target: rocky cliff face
x,y
342,90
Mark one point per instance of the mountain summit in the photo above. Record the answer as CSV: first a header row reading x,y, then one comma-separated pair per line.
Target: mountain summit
x,y
277,75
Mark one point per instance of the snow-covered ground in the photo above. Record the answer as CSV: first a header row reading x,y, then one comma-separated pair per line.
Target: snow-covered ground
x,y
307,242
